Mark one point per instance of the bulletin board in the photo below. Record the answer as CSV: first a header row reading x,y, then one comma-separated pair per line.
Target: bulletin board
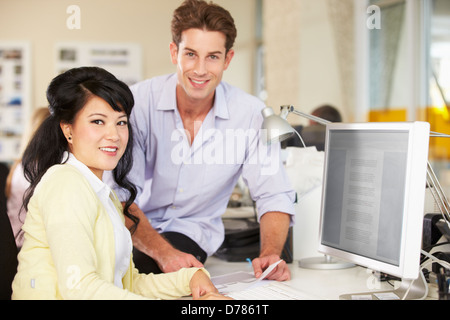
x,y
124,60
15,96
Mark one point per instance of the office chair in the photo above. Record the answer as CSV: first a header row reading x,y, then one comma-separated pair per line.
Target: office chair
x,y
8,248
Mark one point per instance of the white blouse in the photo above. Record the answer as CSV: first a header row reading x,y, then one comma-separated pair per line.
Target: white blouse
x,y
122,236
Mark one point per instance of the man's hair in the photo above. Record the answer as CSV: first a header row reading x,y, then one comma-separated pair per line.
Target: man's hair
x,y
328,112
198,14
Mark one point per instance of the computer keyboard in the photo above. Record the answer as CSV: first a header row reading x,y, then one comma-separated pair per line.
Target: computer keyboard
x,y
271,291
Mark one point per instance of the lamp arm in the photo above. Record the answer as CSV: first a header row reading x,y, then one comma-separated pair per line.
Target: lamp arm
x,y
291,109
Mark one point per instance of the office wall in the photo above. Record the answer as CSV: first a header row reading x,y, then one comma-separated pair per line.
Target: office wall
x,y
309,54
146,22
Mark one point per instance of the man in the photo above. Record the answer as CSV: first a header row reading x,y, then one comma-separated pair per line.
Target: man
x,y
194,137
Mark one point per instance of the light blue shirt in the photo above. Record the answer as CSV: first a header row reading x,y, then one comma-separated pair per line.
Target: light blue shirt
x,y
186,189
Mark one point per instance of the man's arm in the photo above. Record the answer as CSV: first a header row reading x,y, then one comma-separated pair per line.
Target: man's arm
x,y
147,240
274,230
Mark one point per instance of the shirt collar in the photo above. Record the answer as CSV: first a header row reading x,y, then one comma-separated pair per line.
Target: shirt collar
x,y
220,104
168,99
99,187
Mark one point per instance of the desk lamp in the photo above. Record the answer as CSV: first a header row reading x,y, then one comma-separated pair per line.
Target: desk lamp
x,y
277,129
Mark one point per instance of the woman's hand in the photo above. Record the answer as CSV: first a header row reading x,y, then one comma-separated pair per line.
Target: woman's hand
x,y
203,289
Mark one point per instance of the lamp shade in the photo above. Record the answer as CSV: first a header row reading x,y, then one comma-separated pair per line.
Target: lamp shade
x,y
274,127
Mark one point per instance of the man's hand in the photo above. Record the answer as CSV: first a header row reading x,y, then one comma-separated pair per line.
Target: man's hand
x,y
274,229
280,273
149,241
173,260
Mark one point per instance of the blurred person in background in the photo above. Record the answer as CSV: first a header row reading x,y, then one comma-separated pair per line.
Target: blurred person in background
x,y
16,184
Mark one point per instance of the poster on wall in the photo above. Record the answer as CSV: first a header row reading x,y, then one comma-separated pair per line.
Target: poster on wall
x,y
15,97
124,60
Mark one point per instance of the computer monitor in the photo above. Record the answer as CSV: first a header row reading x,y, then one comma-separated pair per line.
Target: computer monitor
x,y
373,198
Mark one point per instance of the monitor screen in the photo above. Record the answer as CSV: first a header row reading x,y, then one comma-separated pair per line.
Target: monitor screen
x,y
373,195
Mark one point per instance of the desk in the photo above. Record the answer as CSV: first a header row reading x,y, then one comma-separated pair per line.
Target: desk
x,y
320,284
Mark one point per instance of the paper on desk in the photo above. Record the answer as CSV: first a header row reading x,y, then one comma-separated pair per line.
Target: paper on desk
x,y
239,281
269,270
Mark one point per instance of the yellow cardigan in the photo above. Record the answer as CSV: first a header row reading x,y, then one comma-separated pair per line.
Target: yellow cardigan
x,y
68,252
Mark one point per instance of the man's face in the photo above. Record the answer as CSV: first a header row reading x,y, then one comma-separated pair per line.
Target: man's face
x,y
201,60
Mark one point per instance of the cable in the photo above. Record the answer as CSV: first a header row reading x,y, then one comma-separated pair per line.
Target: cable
x,y
427,249
439,135
438,194
443,285
421,277
303,142
434,259
421,274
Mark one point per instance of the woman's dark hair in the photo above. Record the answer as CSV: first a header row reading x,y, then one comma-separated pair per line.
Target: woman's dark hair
x,y
67,94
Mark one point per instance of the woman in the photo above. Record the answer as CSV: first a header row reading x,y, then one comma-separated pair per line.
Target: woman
x,y
76,244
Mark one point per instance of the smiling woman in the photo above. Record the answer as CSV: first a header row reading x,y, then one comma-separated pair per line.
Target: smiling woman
x,y
76,243
68,95
99,136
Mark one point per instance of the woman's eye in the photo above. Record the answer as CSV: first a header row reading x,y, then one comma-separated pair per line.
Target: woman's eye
x,y
97,121
122,123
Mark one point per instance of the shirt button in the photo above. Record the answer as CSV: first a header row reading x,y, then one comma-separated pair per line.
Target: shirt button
x,y
181,190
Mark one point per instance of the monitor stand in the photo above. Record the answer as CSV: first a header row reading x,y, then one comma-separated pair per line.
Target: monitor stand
x,y
324,263
416,289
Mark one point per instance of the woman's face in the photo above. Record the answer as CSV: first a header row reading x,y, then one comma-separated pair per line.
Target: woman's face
x,y
99,136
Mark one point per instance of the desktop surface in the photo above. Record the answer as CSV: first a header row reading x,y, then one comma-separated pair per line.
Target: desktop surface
x,y
316,284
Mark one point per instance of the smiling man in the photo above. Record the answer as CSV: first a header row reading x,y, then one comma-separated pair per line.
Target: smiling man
x,y
195,135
